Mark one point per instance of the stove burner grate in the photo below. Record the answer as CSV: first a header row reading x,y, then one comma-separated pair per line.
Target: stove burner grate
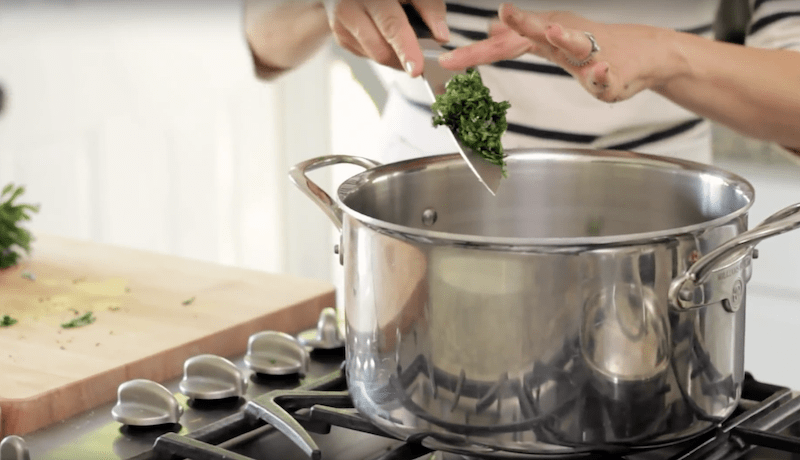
x,y
765,415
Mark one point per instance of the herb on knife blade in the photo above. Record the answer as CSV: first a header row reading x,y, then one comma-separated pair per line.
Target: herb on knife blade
x,y
83,320
14,240
467,108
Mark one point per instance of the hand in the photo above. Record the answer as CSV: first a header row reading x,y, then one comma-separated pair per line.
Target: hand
x,y
631,57
379,30
283,34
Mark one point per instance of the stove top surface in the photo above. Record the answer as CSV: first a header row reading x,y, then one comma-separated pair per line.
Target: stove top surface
x,y
236,428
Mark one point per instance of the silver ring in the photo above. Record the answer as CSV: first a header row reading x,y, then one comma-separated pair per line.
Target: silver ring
x,y
595,49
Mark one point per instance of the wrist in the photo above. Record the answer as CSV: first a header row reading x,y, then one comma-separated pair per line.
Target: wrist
x,y
673,63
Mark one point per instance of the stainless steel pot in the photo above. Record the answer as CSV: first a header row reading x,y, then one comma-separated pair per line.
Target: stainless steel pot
x,y
596,303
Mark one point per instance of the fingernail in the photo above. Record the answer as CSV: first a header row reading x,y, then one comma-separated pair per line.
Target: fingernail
x,y
446,56
409,67
443,31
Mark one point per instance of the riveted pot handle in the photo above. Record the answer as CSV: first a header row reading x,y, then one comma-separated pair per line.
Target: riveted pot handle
x,y
684,292
298,176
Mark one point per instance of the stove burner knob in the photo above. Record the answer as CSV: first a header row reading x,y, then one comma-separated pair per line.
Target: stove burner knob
x,y
14,448
327,335
212,377
276,353
143,402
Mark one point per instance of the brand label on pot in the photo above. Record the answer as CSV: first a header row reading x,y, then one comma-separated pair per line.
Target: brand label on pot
x,y
734,269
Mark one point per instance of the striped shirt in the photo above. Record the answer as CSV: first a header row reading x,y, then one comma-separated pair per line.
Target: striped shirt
x,y
549,108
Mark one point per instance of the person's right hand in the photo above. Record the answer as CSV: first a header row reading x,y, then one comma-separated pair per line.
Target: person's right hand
x,y
379,30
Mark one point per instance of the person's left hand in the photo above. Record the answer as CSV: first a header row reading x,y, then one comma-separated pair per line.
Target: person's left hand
x,y
631,57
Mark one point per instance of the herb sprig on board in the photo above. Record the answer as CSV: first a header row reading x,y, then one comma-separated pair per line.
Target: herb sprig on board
x,y
467,108
7,321
83,320
15,240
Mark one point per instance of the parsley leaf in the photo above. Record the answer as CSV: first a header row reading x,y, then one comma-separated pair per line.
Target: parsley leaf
x,y
7,321
14,240
467,108
84,320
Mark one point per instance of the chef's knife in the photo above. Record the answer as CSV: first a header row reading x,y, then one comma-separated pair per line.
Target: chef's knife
x,y
436,78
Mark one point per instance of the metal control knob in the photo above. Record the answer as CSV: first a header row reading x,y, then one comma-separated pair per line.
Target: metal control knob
x,y
212,377
14,448
143,402
276,353
327,335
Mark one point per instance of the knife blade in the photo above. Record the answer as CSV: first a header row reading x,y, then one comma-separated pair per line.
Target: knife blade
x,y
436,78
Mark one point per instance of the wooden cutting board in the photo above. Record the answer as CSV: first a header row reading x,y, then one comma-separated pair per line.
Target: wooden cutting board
x,y
152,313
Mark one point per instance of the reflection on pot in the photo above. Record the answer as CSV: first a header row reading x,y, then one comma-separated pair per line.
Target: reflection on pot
x,y
624,336
625,341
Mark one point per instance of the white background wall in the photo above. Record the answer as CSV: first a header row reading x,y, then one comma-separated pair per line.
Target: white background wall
x,y
143,126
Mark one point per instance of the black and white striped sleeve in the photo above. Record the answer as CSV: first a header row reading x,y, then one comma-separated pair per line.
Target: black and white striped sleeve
x,y
774,24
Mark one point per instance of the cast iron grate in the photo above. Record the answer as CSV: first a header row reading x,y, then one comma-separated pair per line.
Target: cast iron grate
x,y
767,417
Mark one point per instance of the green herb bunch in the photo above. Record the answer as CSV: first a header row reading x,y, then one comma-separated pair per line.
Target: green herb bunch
x,y
467,108
14,239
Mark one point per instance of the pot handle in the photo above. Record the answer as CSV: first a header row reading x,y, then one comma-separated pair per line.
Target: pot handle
x,y
298,176
686,291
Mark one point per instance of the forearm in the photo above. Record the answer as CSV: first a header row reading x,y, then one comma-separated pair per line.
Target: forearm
x,y
284,34
754,91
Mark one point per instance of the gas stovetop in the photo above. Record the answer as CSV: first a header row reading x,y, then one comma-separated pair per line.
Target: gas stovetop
x,y
282,401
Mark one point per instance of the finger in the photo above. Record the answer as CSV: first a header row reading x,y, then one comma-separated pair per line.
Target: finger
x,y
609,85
497,28
370,41
498,47
601,74
434,13
526,24
575,44
346,40
598,80
392,24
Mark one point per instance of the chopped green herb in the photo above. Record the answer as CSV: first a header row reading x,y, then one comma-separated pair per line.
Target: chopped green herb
x,y
114,308
273,361
594,227
188,301
83,320
28,276
467,108
7,321
14,240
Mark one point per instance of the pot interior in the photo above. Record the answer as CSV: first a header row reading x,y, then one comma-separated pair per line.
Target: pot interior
x,y
548,194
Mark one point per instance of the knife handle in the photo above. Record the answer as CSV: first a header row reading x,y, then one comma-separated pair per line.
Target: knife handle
x,y
416,21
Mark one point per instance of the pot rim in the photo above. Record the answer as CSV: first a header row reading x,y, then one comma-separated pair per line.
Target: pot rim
x,y
352,184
